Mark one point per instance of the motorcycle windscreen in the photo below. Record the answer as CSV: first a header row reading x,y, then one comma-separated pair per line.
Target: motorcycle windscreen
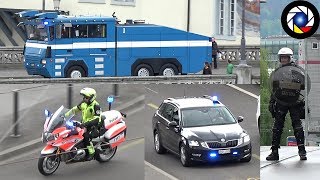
x,y
116,134
57,120
288,83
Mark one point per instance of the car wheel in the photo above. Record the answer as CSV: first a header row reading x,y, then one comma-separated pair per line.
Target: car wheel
x,y
157,144
184,156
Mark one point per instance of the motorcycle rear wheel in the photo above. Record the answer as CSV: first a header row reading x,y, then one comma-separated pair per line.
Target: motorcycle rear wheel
x,y
48,164
105,153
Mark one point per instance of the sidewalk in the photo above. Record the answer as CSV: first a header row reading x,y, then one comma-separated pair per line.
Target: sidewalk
x,y
31,118
289,166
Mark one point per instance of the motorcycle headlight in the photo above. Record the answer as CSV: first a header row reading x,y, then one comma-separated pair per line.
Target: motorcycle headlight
x,y
193,143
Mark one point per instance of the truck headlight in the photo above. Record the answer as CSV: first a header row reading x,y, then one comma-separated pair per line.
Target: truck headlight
x,y
43,61
193,143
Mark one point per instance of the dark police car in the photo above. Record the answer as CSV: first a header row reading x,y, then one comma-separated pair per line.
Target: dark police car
x,y
199,129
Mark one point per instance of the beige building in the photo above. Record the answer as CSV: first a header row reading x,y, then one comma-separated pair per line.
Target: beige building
x,y
218,18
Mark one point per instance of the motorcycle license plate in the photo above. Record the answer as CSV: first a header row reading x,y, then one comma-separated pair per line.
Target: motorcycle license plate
x,y
224,151
115,139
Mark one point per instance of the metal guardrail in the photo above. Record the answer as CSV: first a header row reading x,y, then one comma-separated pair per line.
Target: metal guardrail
x,y
181,79
13,55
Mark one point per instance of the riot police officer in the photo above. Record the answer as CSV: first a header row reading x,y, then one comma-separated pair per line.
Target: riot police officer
x,y
287,83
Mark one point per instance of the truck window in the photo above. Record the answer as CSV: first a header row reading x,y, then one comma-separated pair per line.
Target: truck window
x,y
97,30
79,31
51,32
62,31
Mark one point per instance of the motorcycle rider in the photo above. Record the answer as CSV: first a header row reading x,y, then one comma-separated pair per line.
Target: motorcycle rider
x,y
91,111
281,101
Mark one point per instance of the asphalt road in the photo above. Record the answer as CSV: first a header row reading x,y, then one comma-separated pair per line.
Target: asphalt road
x,y
238,102
128,163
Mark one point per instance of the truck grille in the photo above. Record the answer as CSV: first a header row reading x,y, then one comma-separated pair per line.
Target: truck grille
x,y
232,143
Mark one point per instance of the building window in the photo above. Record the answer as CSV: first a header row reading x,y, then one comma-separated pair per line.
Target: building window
x,y
93,1
315,45
221,15
124,2
232,6
227,17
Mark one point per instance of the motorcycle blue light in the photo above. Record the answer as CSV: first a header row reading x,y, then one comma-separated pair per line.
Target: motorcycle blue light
x,y
110,99
213,155
235,153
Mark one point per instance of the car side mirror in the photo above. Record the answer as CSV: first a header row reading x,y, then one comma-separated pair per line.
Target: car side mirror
x,y
240,119
173,124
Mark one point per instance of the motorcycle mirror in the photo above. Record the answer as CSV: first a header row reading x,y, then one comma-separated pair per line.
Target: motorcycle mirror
x,y
47,113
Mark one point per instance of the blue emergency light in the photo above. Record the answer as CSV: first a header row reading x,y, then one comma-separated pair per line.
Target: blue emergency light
x,y
110,99
213,155
214,98
235,153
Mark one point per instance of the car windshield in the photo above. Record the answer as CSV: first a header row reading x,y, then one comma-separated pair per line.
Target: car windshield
x,y
56,120
206,116
37,32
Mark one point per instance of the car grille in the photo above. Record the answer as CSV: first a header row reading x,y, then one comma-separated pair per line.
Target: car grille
x,y
232,143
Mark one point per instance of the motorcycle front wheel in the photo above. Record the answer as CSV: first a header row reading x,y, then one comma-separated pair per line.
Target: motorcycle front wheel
x,y
105,153
48,164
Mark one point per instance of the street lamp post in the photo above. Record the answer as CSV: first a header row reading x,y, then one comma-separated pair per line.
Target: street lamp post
x,y
243,60
43,5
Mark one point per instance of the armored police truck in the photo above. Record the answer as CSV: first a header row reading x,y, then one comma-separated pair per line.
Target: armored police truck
x,y
88,46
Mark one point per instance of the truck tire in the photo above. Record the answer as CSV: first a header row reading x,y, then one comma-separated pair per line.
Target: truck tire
x,y
76,72
168,70
143,70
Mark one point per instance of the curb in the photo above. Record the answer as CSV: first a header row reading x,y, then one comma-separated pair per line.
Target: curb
x,y
37,143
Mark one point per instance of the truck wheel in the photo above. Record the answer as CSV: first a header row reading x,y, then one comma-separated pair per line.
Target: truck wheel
x,y
143,70
76,72
168,70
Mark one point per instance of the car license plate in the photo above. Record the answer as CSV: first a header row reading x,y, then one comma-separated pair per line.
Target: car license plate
x,y
224,151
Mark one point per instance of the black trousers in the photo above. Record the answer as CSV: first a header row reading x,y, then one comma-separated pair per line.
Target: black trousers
x,y
278,124
215,61
92,125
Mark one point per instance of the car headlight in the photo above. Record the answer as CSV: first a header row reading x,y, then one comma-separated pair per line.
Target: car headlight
x,y
204,144
243,139
246,138
193,143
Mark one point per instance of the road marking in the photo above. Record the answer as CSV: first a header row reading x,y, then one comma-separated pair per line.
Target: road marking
x,y
256,156
153,106
242,90
152,90
160,171
126,146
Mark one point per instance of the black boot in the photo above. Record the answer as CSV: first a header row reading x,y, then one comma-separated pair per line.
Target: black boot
x,y
302,152
274,156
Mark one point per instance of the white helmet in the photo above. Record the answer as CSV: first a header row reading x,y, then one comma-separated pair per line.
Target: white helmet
x,y
286,51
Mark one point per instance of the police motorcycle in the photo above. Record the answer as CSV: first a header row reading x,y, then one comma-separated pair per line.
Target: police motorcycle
x,y
64,140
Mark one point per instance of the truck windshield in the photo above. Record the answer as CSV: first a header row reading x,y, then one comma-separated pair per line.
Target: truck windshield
x,y
37,32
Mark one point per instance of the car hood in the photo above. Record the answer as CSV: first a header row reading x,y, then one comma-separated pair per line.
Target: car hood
x,y
213,133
